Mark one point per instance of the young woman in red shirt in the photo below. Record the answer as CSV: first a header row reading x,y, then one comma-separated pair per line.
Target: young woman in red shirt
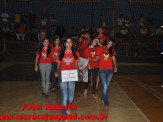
x,y
101,36
107,65
93,66
84,43
56,48
67,60
44,59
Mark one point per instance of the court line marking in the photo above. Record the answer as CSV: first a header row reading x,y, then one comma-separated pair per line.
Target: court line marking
x,y
132,102
153,90
139,64
150,91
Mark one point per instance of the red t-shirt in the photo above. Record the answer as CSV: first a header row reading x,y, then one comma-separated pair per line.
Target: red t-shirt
x,y
105,60
53,49
68,61
102,39
44,58
57,51
92,53
21,30
83,45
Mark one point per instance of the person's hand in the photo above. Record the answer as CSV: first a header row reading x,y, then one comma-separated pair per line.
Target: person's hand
x,y
36,68
88,59
89,66
81,74
115,69
56,74
98,41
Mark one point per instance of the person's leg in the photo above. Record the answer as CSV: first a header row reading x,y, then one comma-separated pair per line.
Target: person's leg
x,y
103,82
71,89
98,81
54,65
109,74
48,71
94,75
64,95
23,36
42,71
17,35
87,83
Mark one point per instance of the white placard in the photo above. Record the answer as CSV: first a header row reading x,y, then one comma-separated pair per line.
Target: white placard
x,y
69,75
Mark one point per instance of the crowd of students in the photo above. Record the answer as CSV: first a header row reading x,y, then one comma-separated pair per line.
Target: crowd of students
x,y
52,58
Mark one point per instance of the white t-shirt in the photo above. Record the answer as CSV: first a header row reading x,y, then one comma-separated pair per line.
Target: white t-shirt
x,y
124,31
43,22
120,21
4,17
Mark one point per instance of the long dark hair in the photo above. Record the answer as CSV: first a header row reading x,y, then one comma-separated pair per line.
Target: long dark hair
x,y
54,39
64,48
42,45
91,41
111,49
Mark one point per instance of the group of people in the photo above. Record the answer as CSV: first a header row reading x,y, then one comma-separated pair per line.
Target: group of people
x,y
24,27
53,58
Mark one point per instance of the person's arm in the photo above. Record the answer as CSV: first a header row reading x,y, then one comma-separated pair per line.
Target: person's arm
x,y
76,65
114,63
94,59
58,69
99,42
36,63
77,60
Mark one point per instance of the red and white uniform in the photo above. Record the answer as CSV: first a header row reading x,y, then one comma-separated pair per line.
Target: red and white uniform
x,y
43,56
68,61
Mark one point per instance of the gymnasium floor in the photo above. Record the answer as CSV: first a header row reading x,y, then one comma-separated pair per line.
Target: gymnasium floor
x,y
135,94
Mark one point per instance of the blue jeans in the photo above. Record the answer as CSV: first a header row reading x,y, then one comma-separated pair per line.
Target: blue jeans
x,y
54,79
105,77
67,93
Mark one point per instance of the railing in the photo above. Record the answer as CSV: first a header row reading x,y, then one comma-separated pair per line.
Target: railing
x,y
156,47
125,49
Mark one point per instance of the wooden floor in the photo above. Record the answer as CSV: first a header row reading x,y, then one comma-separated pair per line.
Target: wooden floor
x,y
135,94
